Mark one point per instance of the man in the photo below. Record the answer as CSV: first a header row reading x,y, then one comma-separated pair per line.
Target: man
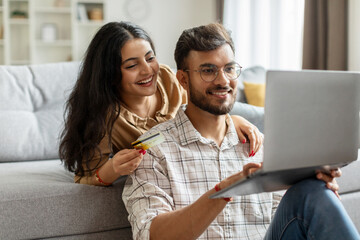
x,y
167,197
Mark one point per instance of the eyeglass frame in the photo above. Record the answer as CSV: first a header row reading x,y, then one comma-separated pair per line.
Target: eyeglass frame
x,y
217,70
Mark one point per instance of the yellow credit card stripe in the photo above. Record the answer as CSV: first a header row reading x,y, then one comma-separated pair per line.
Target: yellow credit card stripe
x,y
148,142
145,139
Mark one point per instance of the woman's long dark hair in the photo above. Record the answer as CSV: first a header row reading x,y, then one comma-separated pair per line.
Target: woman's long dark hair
x,y
94,103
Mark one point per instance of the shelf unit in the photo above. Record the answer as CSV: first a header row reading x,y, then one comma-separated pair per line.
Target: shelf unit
x,y
2,30
2,41
42,31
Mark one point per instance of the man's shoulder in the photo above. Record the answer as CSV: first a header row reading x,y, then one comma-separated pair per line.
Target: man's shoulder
x,y
165,128
172,129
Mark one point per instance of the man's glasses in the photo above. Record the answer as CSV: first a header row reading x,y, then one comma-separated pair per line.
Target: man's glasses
x,y
208,73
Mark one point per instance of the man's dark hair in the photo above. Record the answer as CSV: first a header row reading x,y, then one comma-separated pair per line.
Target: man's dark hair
x,y
203,38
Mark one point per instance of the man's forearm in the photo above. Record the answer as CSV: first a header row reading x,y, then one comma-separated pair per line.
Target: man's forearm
x,y
189,222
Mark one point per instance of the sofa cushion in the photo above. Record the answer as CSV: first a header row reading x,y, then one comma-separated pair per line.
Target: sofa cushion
x,y
253,114
39,199
254,74
351,204
31,109
350,180
255,93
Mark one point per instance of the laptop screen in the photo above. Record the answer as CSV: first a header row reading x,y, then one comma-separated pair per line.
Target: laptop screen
x,y
311,118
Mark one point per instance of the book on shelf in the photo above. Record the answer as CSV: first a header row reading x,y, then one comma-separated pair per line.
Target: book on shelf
x,y
1,31
82,13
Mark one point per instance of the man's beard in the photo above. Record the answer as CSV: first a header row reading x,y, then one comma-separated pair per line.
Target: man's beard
x,y
201,102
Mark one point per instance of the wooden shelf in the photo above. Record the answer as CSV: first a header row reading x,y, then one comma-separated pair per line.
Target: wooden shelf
x,y
90,1
57,43
20,62
23,44
19,21
51,10
90,23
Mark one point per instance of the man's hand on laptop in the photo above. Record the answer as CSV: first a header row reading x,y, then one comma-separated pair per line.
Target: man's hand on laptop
x,y
330,180
247,170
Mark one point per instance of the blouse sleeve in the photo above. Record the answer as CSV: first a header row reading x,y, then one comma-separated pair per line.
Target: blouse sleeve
x,y
96,162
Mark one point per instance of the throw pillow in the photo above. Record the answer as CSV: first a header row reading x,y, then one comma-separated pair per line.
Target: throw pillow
x,y
255,93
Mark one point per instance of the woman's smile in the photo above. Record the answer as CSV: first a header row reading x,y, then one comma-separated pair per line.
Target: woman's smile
x,y
146,82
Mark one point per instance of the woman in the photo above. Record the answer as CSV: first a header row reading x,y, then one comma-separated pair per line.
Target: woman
x,y
121,92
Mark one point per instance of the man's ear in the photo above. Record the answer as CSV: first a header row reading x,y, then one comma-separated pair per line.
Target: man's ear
x,y
182,78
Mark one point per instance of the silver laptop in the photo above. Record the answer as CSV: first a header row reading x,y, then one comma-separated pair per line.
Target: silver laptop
x,y
311,123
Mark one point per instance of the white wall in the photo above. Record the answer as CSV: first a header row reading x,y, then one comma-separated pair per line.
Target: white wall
x,y
354,35
164,20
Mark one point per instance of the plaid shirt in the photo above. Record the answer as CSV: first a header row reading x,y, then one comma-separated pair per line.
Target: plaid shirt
x,y
178,171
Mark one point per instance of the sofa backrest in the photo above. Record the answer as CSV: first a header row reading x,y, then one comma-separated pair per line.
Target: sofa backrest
x,y
32,101
254,74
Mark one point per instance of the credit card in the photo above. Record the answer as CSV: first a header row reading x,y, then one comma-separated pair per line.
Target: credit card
x,y
149,141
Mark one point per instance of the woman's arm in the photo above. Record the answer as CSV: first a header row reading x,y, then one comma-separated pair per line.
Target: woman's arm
x,y
247,130
122,163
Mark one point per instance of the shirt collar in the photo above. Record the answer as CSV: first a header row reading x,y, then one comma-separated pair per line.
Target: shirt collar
x,y
188,133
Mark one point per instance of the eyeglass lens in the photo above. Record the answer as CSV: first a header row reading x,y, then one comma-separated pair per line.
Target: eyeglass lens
x,y
209,73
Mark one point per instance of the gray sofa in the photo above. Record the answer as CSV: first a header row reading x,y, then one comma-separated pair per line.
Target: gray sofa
x,y
38,198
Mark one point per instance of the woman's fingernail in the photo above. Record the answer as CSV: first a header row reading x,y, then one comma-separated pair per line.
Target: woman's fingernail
x,y
337,194
142,151
243,141
252,152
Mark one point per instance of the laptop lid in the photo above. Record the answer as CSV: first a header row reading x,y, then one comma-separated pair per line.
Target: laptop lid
x,y
311,119
311,122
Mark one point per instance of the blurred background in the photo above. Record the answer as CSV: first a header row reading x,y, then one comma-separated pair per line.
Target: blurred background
x,y
276,34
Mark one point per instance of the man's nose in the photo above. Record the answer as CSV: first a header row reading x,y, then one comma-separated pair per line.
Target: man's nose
x,y
221,78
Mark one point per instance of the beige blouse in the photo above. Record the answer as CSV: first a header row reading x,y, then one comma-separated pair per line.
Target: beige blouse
x,y
128,127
